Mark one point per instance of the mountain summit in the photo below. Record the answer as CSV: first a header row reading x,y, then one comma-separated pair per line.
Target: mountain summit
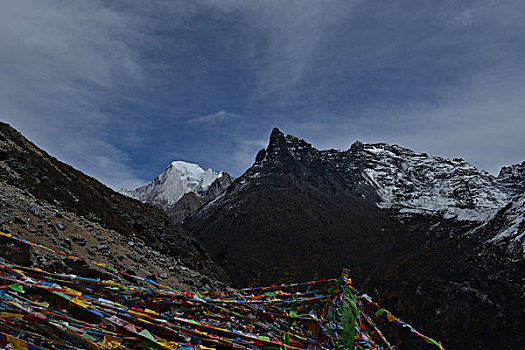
x,y
174,182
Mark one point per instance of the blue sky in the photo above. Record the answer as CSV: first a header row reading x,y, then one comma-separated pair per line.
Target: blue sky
x,y
119,89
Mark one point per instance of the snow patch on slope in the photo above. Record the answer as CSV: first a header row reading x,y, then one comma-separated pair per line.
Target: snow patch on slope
x,y
416,183
513,231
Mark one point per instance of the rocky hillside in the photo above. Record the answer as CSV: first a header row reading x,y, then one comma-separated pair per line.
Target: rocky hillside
x,y
463,283
507,228
48,201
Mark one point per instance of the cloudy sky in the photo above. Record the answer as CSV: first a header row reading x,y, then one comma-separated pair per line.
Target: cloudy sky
x,y
119,89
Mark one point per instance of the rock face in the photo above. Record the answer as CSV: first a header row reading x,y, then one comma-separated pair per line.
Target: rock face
x,y
218,186
48,201
513,177
437,234
188,204
507,228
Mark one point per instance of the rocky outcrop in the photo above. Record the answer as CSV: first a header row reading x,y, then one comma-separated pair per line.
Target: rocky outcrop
x,y
513,177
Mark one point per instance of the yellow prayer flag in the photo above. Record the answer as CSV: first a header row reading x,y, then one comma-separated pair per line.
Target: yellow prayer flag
x,y
390,317
148,311
112,342
43,304
16,343
9,314
78,301
20,272
72,291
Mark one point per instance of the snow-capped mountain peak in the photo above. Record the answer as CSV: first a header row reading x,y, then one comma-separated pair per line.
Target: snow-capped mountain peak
x,y
178,179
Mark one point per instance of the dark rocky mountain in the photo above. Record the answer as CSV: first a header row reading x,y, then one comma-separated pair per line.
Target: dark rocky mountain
x,y
507,228
284,217
218,186
296,200
469,287
430,233
52,203
187,205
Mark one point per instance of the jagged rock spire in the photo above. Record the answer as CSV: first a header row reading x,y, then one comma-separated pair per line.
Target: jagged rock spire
x,y
277,141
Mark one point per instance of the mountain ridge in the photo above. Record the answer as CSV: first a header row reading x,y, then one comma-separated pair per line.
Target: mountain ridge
x,y
404,223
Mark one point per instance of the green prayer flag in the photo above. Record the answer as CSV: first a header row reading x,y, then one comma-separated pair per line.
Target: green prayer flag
x,y
111,269
146,334
380,312
291,315
432,341
150,345
17,288
293,310
89,337
348,320
237,314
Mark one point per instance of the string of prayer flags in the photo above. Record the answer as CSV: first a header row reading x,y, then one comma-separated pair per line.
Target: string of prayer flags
x,y
44,310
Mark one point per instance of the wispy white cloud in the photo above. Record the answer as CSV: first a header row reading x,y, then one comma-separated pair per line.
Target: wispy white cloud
x,y
293,34
108,85
220,116
61,63
481,121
